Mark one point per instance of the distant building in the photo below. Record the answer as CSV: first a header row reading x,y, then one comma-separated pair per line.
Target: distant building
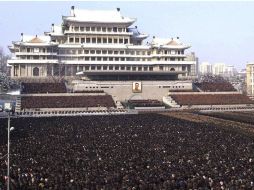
x,y
250,79
230,71
219,68
205,68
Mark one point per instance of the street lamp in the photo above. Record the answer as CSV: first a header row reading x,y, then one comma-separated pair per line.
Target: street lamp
x,y
8,109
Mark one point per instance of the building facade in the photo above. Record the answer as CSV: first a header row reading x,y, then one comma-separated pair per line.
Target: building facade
x,y
100,45
250,79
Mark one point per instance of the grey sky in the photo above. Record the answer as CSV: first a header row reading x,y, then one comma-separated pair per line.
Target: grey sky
x,y
217,31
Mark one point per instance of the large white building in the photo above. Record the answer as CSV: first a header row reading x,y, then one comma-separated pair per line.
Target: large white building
x,y
99,45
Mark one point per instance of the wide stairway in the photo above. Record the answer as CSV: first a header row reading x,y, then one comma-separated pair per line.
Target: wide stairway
x,y
168,100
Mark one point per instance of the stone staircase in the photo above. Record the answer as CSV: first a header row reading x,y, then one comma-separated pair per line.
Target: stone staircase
x,y
18,104
168,100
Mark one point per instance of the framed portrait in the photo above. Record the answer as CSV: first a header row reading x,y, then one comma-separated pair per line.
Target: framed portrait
x,y
136,87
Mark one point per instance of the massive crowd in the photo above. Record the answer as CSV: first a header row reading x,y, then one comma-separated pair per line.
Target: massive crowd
x,y
34,88
146,151
145,103
30,102
209,83
211,99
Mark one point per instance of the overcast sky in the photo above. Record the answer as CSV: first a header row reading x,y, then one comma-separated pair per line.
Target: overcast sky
x,y
217,31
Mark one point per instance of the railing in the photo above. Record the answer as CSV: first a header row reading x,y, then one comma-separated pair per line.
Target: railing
x,y
97,32
36,53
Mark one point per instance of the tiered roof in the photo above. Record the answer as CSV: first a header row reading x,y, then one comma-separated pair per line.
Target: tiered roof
x,y
98,16
169,43
35,40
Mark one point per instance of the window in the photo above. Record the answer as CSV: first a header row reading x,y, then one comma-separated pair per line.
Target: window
x,y
150,68
145,68
120,41
86,51
114,29
105,67
86,68
92,51
87,58
71,40
87,28
110,40
92,67
82,28
126,41
165,52
98,58
109,29
103,29
98,29
104,40
94,40
122,59
88,40
104,51
134,68
161,68
110,58
115,52
110,51
105,58
98,51
98,67
116,58
98,40
92,58
117,67
139,68
120,29
115,41
76,40
122,67
110,67
76,28
121,52
93,29
82,40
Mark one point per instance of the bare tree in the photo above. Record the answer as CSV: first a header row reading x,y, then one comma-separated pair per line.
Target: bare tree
x,y
3,61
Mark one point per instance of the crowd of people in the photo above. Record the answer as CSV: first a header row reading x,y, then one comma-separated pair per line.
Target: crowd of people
x,y
30,102
146,151
145,103
211,99
209,83
35,88
243,117
215,87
